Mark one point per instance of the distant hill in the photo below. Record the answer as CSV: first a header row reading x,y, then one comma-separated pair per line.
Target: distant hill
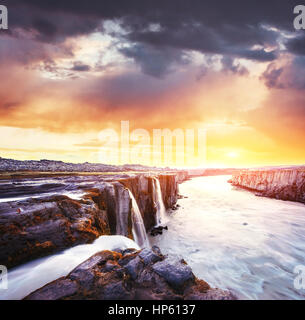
x,y
44,165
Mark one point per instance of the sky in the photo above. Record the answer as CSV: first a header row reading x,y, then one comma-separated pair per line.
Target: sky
x,y
71,69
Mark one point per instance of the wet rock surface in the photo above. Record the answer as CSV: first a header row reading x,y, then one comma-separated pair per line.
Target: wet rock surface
x,y
157,230
284,184
127,275
37,227
176,272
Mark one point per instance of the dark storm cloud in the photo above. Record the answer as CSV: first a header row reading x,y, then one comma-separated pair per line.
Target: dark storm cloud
x,y
297,44
228,64
50,26
153,61
213,12
81,67
258,55
271,76
207,39
215,27
287,76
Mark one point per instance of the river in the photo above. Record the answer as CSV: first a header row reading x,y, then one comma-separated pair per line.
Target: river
x,y
235,240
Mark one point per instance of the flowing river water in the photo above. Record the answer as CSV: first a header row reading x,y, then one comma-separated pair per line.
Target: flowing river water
x,y
235,240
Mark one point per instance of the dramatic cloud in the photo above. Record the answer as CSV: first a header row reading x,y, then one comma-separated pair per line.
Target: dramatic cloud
x,y
160,33
297,44
286,74
79,66
230,65
217,27
154,61
72,68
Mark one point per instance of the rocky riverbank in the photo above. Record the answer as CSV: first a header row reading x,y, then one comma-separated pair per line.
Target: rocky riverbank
x,y
128,275
284,184
46,220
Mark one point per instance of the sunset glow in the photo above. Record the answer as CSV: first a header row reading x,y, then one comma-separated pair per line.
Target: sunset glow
x,y
62,88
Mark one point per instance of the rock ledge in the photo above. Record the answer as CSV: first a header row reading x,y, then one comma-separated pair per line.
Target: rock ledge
x,y
130,274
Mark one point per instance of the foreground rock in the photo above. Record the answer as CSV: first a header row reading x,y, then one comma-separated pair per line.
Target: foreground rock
x,y
127,275
284,184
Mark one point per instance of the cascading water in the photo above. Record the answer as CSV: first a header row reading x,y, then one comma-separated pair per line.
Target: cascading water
x,y
28,277
138,228
161,211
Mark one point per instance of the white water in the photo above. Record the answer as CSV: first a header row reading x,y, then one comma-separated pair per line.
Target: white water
x,y
138,228
161,211
76,195
26,278
236,240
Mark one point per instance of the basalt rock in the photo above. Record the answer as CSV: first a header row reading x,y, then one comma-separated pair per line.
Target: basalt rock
x,y
115,199
157,230
36,227
170,189
284,184
142,187
145,274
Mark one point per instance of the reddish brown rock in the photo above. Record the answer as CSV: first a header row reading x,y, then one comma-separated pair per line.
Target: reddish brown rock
x,y
284,184
47,225
145,274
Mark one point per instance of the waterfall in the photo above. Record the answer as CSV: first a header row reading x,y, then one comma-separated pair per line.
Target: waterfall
x,y
138,228
122,202
161,211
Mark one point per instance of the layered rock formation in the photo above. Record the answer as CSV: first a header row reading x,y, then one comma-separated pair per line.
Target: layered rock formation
x,y
36,227
284,184
144,191
127,275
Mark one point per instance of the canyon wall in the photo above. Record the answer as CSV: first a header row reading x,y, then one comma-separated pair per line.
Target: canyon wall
x,y
284,184
40,226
